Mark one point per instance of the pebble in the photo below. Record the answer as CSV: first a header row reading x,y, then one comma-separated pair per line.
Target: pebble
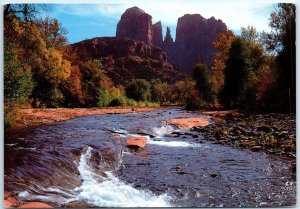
x,y
271,133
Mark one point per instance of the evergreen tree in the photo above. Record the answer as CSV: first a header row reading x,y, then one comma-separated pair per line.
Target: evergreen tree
x,y
202,77
236,72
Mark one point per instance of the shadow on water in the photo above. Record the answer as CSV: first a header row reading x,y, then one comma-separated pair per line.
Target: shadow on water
x,y
84,159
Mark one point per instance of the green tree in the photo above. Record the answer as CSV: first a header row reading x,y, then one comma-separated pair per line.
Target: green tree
x,y
202,77
95,83
236,71
186,93
18,84
245,63
139,90
47,64
159,91
250,34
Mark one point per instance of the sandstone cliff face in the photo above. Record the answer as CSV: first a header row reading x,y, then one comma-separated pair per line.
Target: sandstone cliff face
x,y
168,38
135,24
169,47
157,34
194,36
126,59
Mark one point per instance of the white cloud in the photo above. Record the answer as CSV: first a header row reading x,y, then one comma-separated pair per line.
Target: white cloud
x,y
235,14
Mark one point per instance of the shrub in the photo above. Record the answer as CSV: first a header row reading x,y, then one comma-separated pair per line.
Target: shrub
x,y
104,99
117,101
139,90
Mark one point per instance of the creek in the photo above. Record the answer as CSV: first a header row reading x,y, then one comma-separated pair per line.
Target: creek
x,y
85,159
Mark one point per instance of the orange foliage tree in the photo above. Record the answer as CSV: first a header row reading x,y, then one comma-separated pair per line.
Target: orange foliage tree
x,y
222,46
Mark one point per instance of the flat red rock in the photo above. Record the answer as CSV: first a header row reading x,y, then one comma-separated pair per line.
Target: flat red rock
x,y
10,201
136,142
35,205
187,123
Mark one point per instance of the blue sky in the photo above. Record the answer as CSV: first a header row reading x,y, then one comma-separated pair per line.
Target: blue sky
x,y
84,21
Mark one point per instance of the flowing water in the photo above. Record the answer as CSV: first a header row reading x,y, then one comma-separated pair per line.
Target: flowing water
x,y
85,159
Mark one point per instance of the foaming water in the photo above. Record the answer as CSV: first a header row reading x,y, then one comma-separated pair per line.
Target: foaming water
x,y
109,191
54,194
162,131
171,143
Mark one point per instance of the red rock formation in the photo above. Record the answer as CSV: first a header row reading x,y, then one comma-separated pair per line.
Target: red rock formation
x,y
136,142
168,39
135,24
194,38
126,59
157,34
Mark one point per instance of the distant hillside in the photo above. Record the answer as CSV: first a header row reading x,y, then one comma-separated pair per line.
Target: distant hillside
x,y
127,59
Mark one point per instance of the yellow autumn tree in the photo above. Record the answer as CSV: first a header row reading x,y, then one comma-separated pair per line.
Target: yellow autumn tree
x,y
43,56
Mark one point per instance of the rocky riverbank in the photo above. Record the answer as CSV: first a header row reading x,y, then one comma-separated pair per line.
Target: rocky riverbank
x,y
274,134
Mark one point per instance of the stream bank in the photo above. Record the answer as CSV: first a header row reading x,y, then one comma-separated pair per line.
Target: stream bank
x,y
32,117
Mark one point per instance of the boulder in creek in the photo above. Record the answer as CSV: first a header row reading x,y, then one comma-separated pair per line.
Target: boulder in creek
x,y
136,142
35,205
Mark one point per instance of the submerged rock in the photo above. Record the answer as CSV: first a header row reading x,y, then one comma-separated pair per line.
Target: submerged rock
x,y
213,175
180,172
174,134
78,204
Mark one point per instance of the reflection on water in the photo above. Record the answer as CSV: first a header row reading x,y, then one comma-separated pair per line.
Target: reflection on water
x,y
85,159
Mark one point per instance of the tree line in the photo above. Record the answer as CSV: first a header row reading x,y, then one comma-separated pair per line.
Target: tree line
x,y
251,71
